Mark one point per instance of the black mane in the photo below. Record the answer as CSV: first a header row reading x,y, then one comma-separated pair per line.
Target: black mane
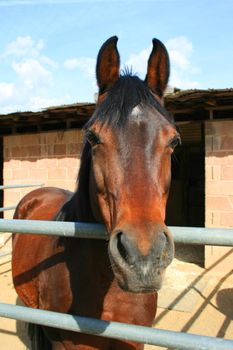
x,y
128,92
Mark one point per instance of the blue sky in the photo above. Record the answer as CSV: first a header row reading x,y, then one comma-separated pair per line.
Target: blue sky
x,y
48,48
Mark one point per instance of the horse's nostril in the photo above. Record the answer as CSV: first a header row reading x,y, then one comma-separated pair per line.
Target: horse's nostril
x,y
121,245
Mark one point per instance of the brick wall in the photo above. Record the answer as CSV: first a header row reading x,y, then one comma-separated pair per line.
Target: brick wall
x,y
51,158
219,182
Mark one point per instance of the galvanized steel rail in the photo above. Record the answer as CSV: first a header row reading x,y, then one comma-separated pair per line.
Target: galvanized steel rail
x,y
6,187
146,335
190,235
7,208
164,338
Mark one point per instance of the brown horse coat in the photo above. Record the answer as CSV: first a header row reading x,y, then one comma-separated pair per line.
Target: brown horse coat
x,y
123,182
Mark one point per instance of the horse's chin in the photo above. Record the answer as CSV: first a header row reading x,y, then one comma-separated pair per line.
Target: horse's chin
x,y
131,282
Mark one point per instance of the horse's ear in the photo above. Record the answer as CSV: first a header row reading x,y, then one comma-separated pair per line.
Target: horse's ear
x,y
108,65
158,68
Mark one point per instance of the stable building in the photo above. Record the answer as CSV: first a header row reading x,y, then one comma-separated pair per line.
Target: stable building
x,y
44,147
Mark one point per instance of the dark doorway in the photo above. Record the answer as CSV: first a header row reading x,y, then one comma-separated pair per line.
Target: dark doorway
x,y
186,203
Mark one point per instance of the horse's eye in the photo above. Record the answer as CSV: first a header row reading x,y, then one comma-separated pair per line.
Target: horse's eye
x,y
175,142
92,138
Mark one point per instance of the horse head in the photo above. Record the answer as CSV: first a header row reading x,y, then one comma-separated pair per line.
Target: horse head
x,y
131,138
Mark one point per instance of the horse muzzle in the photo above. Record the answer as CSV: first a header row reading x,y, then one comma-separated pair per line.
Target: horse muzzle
x,y
137,271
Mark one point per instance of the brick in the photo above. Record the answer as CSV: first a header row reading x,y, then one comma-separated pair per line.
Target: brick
x,y
38,174
218,203
217,140
33,151
208,218
209,143
16,152
44,151
15,140
209,128
7,141
220,258
50,149
216,172
212,218
227,142
45,163
7,174
52,138
24,152
47,138
227,172
59,150
226,219
216,158
72,174
68,162
213,172
42,139
11,197
74,149
219,127
14,164
212,143
231,201
29,139
6,152
73,136
29,164
57,173
20,174
68,185
208,172
219,188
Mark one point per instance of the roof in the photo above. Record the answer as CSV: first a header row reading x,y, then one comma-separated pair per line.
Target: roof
x,y
52,118
208,99
185,105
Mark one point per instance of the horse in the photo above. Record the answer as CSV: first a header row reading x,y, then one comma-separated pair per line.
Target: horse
x,y
123,183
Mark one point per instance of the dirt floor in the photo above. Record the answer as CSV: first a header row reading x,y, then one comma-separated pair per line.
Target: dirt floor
x,y
192,300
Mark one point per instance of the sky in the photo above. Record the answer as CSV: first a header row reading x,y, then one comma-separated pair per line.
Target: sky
x,y
48,49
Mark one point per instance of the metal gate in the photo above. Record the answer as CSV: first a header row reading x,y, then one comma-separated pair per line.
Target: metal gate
x,y
146,335
6,187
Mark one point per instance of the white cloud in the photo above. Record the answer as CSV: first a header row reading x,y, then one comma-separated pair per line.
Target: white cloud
x,y
33,73
71,63
39,102
6,91
24,46
85,64
138,61
182,69
180,51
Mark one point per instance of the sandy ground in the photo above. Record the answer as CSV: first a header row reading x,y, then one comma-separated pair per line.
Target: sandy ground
x,y
192,300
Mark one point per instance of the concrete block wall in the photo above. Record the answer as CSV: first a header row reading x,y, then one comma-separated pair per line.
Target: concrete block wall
x,y
219,184
51,158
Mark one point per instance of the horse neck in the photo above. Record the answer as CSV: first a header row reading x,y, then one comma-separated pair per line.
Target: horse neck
x,y
78,208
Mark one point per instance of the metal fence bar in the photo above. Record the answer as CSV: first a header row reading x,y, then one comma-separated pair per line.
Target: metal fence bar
x,y
8,208
5,187
191,235
183,341
146,335
54,228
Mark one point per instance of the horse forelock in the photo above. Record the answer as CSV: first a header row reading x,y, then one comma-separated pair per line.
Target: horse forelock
x,y
127,93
